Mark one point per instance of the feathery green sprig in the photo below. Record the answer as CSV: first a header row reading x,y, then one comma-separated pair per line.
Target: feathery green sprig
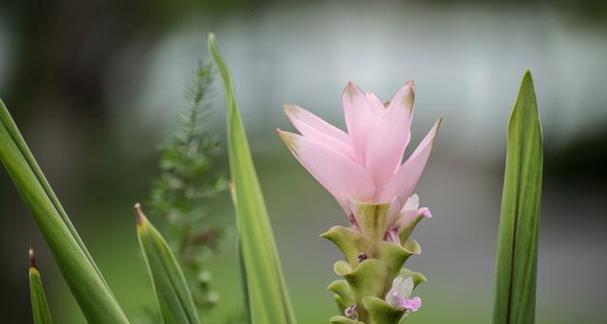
x,y
188,180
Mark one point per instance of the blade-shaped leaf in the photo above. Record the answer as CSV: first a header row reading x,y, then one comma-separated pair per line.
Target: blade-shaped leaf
x,y
88,286
519,221
171,289
268,300
40,311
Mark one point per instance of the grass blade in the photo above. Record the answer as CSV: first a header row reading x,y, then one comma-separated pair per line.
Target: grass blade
x,y
86,282
171,289
40,311
267,296
520,214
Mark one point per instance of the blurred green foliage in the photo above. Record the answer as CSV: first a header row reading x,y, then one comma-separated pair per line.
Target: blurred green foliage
x,y
188,181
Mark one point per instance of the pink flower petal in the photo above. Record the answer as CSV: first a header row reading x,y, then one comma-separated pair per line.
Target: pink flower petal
x,y
386,144
375,101
403,182
343,178
404,97
360,118
412,304
401,214
312,126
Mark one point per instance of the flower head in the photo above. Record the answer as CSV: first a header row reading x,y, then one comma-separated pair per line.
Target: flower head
x,y
364,165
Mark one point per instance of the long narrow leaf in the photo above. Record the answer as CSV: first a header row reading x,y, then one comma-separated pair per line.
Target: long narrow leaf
x,y
519,222
268,299
171,289
40,311
88,286
18,139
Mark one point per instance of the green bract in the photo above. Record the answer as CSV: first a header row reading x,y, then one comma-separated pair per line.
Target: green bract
x,y
370,266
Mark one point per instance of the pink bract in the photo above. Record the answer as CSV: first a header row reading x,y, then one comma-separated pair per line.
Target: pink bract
x,y
364,165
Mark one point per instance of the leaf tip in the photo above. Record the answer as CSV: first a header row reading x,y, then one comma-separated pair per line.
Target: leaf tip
x,y
139,215
212,42
527,81
32,258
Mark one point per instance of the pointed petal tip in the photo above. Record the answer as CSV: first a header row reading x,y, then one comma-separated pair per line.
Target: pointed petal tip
x,y
424,212
351,88
410,84
411,95
436,126
288,138
290,109
405,96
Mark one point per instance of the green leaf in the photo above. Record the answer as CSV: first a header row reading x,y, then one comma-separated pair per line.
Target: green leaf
x,y
86,282
40,311
363,279
268,299
351,242
171,289
344,296
380,312
519,221
343,320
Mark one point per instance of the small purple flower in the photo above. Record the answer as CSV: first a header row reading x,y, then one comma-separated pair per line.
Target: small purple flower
x,y
410,304
400,293
413,304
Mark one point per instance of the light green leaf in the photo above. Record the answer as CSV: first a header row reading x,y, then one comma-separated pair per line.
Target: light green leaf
x,y
171,289
344,296
363,279
88,286
268,300
380,312
519,221
40,311
343,320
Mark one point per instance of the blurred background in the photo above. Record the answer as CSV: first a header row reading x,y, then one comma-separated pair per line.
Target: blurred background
x,y
96,87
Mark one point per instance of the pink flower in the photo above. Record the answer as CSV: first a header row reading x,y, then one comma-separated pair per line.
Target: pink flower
x,y
364,165
400,293
411,304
